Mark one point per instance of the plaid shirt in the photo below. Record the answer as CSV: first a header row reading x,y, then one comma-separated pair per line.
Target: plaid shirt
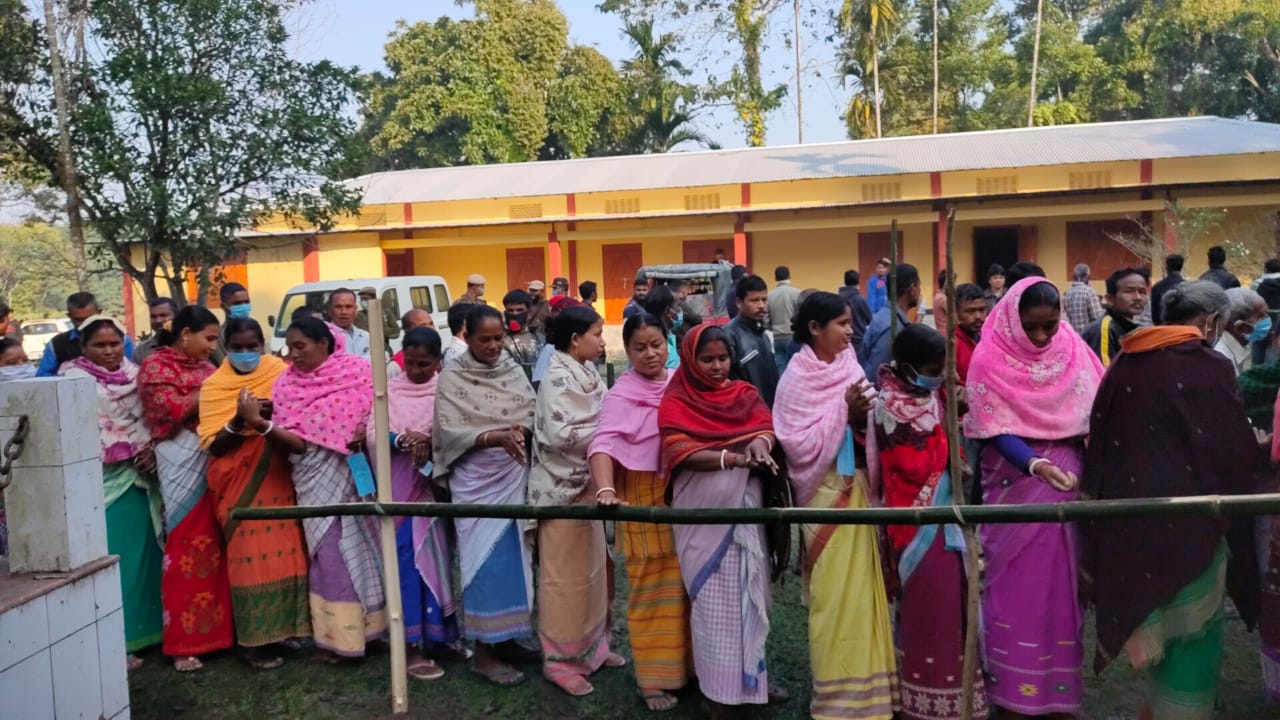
x,y
1082,305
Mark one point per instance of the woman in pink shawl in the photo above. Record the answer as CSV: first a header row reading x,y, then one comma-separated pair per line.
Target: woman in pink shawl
x,y
821,405
626,455
1030,389
320,408
422,544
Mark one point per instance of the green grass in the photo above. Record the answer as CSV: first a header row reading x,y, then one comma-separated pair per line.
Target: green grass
x,y
228,690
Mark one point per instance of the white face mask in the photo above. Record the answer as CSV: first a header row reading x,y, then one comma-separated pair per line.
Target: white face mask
x,y
25,371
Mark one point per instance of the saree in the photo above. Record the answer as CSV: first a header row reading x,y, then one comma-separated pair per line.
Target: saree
x,y
912,458
495,560
266,559
812,423
725,568
573,587
657,606
1158,585
194,585
1260,385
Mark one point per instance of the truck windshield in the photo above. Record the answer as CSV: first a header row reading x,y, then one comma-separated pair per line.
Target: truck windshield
x,y
292,302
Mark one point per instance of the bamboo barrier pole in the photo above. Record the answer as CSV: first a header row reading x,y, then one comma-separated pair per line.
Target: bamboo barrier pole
x,y
893,280
382,470
1215,506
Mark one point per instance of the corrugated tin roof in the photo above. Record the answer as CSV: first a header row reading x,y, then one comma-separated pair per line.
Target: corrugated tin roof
x,y
1013,148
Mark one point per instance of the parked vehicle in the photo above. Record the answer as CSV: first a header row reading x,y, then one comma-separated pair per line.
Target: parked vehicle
x,y
398,295
708,285
37,333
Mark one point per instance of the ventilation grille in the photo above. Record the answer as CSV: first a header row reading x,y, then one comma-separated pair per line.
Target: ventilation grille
x,y
623,206
998,185
876,192
525,211
371,219
705,201
1091,180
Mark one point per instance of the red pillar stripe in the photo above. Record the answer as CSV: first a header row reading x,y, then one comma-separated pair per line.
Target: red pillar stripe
x,y
555,261
935,184
408,213
311,260
571,208
1144,172
745,190
573,265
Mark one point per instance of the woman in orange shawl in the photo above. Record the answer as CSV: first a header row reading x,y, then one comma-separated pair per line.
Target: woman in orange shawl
x,y
266,559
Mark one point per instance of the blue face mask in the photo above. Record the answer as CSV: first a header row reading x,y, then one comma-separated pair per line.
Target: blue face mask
x,y
675,324
245,362
925,382
239,311
1261,330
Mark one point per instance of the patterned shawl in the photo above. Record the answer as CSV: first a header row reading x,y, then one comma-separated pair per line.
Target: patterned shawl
x,y
1016,388
911,447
325,406
810,415
121,430
568,410
474,398
221,392
169,382
697,414
628,430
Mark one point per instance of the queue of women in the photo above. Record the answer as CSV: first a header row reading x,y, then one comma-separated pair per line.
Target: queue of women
x,y
184,443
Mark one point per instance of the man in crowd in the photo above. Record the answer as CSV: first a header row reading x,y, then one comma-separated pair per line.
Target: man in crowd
x,y
877,344
689,315
8,327
1081,302
1268,286
588,292
736,273
938,313
1218,272
474,293
878,286
639,291
1172,279
342,310
539,311
784,300
66,346
519,343
858,305
752,352
457,319
559,286
415,318
995,284
1127,293
161,311
971,313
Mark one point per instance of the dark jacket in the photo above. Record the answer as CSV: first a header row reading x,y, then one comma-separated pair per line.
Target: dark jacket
x,y
1157,296
753,357
1117,327
1222,276
861,313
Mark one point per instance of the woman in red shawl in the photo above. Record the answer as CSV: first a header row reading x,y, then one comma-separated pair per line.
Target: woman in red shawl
x,y
715,431
194,588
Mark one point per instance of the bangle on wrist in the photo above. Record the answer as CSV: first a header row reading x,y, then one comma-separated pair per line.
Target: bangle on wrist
x,y
230,429
601,491
723,453
270,426
1035,463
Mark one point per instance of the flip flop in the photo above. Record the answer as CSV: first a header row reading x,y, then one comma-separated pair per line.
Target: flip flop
x,y
502,675
658,700
778,694
425,669
264,662
187,664
133,663
575,685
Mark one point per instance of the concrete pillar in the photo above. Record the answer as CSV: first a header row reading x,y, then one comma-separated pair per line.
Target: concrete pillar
x,y
54,503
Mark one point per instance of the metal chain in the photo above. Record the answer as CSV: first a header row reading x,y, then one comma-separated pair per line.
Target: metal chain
x,y
13,450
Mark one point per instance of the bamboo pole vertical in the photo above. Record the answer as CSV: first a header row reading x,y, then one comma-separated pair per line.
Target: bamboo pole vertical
x,y
893,280
954,442
382,472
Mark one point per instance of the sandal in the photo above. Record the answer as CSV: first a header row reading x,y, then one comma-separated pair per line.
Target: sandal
x,y
133,662
615,661
450,652
575,685
424,668
261,659
326,657
778,694
187,664
502,675
657,700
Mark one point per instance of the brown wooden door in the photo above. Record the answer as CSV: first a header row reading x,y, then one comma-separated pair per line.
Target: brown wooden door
x,y
524,265
400,264
620,265
704,251
871,247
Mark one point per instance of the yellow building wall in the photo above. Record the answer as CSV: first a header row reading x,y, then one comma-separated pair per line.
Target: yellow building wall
x,y
818,258
272,270
350,256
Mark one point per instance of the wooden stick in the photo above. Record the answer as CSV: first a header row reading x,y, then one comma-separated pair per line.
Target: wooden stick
x,y
892,280
390,556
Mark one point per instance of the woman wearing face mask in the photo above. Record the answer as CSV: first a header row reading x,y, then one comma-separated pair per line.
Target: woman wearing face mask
x,y
134,524
912,462
422,543
197,599
320,405
821,405
664,305
266,559
1168,421
625,455
14,364
1247,322
1031,384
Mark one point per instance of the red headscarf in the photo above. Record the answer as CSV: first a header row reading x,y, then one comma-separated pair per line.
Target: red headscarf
x,y
697,414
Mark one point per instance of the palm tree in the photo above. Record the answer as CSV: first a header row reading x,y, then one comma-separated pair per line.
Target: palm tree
x,y
661,102
870,19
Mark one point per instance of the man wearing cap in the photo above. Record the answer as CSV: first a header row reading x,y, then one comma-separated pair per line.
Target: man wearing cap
x,y
539,310
475,291
559,286
639,292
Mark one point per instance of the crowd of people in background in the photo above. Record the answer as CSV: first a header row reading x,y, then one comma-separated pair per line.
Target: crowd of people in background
x,y
807,397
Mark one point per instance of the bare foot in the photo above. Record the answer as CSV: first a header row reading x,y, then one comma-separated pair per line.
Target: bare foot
x,y
187,664
657,700
575,685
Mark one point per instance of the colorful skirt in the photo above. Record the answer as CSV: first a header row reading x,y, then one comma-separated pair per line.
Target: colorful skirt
x,y
848,610
427,616
657,606
131,535
266,559
573,597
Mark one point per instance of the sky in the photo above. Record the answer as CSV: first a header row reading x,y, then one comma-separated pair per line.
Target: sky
x,y
353,32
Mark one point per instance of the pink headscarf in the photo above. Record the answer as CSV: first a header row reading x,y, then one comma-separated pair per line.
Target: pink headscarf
x,y
628,430
326,405
1016,388
810,415
411,407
